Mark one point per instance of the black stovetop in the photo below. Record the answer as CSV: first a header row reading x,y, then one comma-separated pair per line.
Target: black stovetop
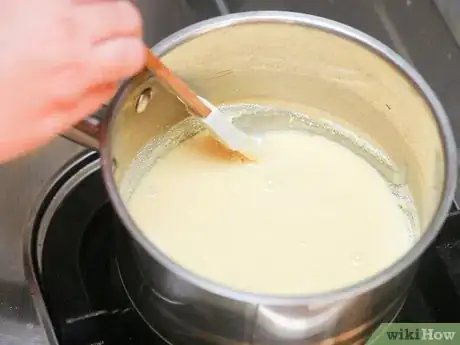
x,y
86,302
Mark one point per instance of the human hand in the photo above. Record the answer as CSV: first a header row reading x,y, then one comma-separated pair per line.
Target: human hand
x,y
59,61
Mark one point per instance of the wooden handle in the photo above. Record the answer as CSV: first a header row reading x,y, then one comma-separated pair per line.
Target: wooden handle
x,y
167,78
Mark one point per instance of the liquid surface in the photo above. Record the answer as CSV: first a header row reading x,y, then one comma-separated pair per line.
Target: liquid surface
x,y
309,216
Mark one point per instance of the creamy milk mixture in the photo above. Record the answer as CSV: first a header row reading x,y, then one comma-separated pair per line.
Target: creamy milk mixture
x,y
309,216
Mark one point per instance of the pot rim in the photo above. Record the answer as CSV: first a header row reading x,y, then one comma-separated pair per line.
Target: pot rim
x,y
336,28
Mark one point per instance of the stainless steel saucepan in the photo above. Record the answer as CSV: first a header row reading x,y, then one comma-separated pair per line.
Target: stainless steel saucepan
x,y
304,63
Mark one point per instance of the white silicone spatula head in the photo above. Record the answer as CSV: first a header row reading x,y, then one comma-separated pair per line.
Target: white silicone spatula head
x,y
218,124
222,128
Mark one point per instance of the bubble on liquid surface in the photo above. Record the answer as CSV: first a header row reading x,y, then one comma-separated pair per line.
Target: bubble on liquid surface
x,y
357,260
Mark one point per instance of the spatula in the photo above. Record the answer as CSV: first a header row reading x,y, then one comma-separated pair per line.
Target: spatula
x,y
219,124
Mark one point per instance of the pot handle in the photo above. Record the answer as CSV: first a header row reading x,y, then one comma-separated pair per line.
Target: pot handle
x,y
87,131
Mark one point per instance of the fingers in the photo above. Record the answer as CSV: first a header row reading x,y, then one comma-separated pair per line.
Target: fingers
x,y
58,119
116,59
64,115
103,20
110,34
114,29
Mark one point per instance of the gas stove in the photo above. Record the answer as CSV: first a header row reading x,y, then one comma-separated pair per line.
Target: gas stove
x,y
68,260
72,247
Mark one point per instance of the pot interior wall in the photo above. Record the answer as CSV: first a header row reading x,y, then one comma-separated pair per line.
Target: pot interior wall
x,y
300,68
